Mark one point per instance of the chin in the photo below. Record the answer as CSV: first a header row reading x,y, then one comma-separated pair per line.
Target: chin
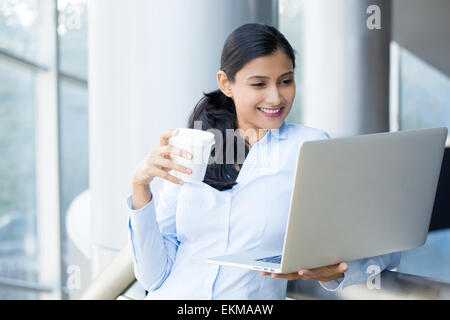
x,y
274,123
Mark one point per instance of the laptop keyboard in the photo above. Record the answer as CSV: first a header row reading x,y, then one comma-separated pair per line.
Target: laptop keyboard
x,y
273,259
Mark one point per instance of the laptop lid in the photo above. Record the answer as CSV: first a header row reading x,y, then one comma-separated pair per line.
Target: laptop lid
x,y
362,196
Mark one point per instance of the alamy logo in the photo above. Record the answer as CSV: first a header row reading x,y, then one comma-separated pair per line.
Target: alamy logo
x,y
73,281
374,20
231,155
373,281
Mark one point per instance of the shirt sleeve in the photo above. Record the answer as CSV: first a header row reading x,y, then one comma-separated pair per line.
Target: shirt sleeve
x,y
153,238
360,270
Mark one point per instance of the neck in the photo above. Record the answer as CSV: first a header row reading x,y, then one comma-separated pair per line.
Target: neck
x,y
252,135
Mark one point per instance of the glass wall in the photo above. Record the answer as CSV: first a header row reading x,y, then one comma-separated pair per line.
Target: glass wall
x,y
424,102
290,24
24,54
74,145
34,49
18,234
424,94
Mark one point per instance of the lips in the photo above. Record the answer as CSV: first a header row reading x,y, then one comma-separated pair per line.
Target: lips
x,y
271,112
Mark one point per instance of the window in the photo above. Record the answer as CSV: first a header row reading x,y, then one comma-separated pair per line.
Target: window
x,y
22,61
43,144
424,94
290,24
74,177
74,146
423,100
24,27
18,234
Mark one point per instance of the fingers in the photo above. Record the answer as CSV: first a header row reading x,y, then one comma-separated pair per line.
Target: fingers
x,y
305,274
165,136
159,162
330,270
325,273
288,276
167,164
157,172
170,149
165,149
343,267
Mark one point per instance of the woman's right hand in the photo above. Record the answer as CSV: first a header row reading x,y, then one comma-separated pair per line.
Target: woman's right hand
x,y
158,162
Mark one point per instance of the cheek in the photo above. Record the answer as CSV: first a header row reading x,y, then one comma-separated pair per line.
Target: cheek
x,y
289,94
247,102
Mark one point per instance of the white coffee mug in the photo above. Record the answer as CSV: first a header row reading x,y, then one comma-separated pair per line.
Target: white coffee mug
x,y
199,144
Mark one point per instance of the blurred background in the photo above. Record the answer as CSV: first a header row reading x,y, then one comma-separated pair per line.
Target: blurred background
x,y
87,86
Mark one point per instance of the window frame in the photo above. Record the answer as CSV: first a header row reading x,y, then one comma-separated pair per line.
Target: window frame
x,y
50,224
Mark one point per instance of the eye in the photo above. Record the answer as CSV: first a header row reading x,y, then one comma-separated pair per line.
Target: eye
x,y
287,81
257,84
261,84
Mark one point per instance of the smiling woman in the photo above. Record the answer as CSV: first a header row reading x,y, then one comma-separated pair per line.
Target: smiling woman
x,y
272,94
240,205
256,92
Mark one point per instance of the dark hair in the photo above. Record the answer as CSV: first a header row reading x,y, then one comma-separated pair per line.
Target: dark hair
x,y
217,111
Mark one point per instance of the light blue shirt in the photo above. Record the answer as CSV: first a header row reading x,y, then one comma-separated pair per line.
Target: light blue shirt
x,y
170,240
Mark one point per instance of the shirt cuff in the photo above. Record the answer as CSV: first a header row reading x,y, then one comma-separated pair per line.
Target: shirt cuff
x,y
141,219
333,285
130,205
358,270
349,275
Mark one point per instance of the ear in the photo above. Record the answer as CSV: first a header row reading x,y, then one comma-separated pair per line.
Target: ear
x,y
224,83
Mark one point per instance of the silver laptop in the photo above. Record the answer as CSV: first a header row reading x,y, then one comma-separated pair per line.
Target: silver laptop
x,y
353,198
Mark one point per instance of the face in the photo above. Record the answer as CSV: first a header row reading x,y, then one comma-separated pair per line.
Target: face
x,y
263,92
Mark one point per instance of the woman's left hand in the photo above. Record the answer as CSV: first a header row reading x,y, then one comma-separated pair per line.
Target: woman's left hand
x,y
323,274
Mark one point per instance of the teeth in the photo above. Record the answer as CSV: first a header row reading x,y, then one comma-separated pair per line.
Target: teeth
x,y
270,110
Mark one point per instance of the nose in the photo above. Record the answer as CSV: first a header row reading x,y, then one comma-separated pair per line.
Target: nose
x,y
273,97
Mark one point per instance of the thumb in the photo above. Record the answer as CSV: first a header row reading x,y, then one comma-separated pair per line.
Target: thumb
x,y
343,267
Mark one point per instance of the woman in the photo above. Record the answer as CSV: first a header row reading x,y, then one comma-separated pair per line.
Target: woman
x,y
240,205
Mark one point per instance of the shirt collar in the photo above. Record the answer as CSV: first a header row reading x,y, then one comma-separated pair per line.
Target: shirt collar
x,y
281,132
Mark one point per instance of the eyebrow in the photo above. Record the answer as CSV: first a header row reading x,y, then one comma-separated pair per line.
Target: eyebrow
x,y
264,77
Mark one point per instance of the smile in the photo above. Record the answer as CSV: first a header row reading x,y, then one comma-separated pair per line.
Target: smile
x,y
271,112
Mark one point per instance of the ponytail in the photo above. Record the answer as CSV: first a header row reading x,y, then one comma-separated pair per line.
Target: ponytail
x,y
217,111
